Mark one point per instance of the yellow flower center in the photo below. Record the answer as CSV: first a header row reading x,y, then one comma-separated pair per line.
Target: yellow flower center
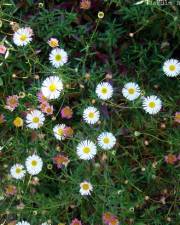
x,y
18,122
152,104
34,163
49,110
52,87
60,131
85,187
18,170
35,120
106,140
53,43
58,57
172,67
91,115
86,150
12,101
177,116
131,91
23,37
104,90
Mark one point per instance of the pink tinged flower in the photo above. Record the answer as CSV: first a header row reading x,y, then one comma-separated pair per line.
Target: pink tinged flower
x,y
30,31
12,102
2,49
49,109
110,219
43,106
114,221
53,42
76,222
170,159
68,132
177,117
10,190
106,217
46,108
178,156
66,112
41,97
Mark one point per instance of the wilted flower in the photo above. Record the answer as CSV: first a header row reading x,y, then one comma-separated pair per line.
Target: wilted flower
x,y
35,181
2,49
106,217
41,97
68,132
18,122
2,118
66,112
12,222
53,42
177,117
85,4
10,190
76,222
12,102
110,219
60,160
170,159
43,106
48,109
20,206
14,26
87,76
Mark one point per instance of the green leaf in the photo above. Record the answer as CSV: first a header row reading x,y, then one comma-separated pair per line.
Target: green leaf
x,y
1,82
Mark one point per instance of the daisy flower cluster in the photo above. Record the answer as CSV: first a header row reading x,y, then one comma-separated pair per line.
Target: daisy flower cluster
x,y
50,113
33,166
151,104
58,56
87,149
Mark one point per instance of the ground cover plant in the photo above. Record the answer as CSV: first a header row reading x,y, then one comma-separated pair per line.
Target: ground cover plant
x,y
89,112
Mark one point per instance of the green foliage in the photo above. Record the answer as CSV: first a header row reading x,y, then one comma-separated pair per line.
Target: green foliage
x,y
131,43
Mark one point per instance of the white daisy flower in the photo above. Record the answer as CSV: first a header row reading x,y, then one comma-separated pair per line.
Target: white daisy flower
x,y
106,140
152,104
34,164
45,223
23,223
59,131
171,67
131,91
91,115
23,36
58,57
17,171
86,150
52,87
35,119
85,188
104,90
